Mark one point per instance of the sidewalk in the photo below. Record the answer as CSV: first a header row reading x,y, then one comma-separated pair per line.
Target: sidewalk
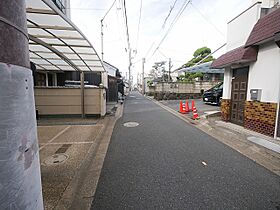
x,y
71,150
259,148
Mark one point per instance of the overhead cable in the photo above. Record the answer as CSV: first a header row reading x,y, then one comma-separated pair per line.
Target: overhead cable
x,y
169,13
140,15
207,20
109,10
186,3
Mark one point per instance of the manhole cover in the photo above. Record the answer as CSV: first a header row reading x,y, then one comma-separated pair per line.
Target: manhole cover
x,y
131,124
56,159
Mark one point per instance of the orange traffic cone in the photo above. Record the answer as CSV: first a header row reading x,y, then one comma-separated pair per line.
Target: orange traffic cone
x,y
187,106
195,114
193,105
182,108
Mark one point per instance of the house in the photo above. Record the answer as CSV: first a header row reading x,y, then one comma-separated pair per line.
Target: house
x,y
252,69
209,74
115,82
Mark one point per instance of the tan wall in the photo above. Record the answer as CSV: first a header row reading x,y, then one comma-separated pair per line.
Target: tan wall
x,y
178,87
64,101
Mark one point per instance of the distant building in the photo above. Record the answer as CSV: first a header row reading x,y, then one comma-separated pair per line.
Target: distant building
x,y
210,74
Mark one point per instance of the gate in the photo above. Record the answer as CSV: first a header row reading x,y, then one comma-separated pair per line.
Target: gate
x,y
112,94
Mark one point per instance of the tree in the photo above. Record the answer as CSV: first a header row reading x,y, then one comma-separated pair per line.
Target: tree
x,y
198,55
158,69
190,76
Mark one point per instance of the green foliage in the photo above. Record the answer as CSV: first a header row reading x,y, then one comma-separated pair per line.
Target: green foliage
x,y
198,55
189,77
150,83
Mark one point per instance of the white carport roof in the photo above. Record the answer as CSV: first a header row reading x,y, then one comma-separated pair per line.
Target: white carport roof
x,y
55,42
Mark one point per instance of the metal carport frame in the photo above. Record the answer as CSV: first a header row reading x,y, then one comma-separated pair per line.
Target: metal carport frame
x,y
56,44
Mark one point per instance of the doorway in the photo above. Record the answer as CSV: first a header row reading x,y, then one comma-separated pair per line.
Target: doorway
x,y
238,95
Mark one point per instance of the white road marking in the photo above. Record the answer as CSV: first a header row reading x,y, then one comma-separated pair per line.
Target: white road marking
x,y
57,135
204,163
131,124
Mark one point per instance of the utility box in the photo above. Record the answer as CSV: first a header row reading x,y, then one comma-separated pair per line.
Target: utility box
x,y
256,94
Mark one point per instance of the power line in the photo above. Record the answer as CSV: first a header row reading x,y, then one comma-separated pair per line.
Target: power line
x,y
168,15
207,20
150,48
140,15
162,53
186,3
109,10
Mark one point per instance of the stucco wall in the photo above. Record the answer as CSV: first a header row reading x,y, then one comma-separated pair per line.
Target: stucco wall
x,y
227,83
238,29
67,101
265,73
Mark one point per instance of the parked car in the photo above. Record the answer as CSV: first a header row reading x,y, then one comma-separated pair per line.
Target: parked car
x,y
214,94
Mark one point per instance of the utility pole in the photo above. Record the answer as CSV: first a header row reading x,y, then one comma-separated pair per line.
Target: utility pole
x,y
169,69
20,177
129,69
102,33
143,71
102,40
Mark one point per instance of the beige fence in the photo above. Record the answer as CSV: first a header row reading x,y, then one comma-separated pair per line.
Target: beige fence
x,y
67,101
179,87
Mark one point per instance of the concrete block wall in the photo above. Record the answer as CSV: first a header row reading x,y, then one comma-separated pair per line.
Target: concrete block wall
x,y
180,87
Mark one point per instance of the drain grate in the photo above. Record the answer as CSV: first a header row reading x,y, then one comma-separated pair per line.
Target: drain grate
x,y
63,148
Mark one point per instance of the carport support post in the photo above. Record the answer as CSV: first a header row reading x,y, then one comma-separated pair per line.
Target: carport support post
x,y
82,94
20,177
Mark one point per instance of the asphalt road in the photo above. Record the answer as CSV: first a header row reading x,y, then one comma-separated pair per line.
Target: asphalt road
x,y
165,163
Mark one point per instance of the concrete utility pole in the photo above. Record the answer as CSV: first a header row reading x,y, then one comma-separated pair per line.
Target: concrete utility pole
x,y
102,41
20,177
129,69
169,69
143,75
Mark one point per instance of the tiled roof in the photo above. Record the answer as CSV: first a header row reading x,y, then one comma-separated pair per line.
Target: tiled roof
x,y
265,28
238,55
204,68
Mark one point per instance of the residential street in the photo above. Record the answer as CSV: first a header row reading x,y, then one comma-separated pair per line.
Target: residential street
x,y
165,163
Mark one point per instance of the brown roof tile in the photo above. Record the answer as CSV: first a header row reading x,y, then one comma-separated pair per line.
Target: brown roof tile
x,y
238,55
265,28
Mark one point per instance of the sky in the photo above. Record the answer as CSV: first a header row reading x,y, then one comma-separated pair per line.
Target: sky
x,y
203,23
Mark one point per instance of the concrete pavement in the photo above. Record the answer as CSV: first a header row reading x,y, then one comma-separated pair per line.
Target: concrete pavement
x,y
72,151
164,163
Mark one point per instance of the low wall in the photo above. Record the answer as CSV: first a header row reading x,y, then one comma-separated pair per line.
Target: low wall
x,y
180,90
258,116
67,101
